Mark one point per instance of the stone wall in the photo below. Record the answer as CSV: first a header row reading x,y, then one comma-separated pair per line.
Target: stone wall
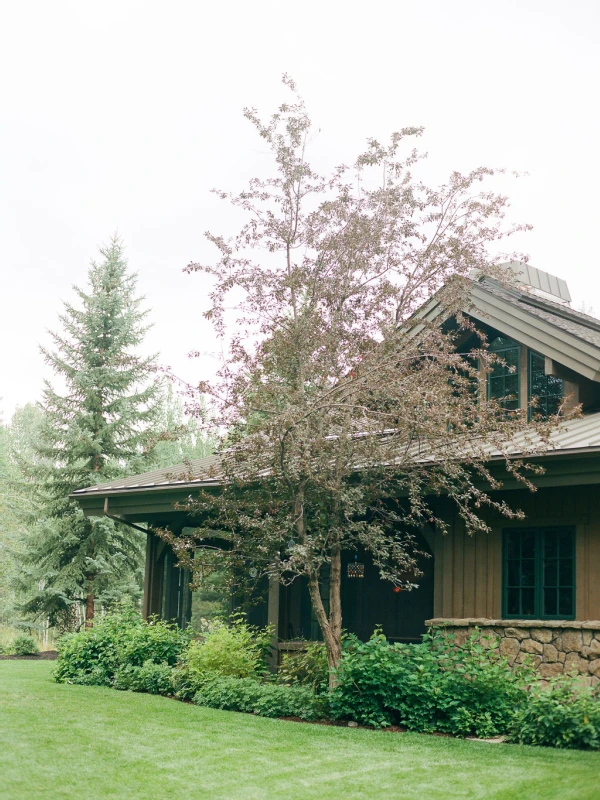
x,y
555,647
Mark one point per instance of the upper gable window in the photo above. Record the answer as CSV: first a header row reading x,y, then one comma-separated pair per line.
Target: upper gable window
x,y
547,390
503,381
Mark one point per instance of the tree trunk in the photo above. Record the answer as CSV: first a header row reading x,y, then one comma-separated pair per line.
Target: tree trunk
x,y
335,596
333,640
89,603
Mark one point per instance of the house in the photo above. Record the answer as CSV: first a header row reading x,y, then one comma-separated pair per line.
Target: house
x,y
534,583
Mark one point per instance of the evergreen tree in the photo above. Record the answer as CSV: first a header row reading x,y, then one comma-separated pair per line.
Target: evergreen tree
x,y
180,438
98,429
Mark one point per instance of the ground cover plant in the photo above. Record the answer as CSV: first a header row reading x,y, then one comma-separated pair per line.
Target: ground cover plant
x,y
433,686
437,686
562,715
119,643
60,741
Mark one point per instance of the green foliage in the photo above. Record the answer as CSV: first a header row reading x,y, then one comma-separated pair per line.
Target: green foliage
x,y
563,715
434,686
237,649
98,429
178,438
24,645
264,699
150,677
94,656
307,667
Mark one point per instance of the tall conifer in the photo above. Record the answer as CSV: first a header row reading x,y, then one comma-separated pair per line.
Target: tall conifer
x,y
96,430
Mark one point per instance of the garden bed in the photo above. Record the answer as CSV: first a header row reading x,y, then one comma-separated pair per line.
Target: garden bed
x,y
44,655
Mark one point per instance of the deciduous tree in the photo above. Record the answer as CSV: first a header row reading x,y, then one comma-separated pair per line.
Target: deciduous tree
x,y
346,413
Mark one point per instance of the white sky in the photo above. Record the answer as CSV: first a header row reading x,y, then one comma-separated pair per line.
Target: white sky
x,y
123,115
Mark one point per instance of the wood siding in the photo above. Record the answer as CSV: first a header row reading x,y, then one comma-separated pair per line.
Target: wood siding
x,y
468,569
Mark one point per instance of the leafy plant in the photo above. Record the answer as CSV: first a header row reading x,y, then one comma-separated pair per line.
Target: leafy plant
x,y
236,649
150,677
436,685
24,645
563,715
122,638
307,667
264,699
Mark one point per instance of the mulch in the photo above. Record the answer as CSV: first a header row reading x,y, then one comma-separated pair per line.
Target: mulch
x,y
45,655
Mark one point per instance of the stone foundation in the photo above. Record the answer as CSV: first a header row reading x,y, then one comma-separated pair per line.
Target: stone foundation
x,y
555,647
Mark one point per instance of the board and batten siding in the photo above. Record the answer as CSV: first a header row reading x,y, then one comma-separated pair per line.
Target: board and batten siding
x,y
468,569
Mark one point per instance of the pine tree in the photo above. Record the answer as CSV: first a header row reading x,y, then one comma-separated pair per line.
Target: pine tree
x,y
98,429
180,438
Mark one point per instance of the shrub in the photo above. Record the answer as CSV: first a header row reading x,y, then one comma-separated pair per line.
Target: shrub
x,y
150,677
431,686
306,667
237,650
94,655
24,646
562,715
264,699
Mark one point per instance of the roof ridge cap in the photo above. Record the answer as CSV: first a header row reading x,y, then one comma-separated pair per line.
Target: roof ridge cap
x,y
545,305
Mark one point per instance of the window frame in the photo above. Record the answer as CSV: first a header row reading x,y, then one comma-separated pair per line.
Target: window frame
x,y
514,345
539,558
531,354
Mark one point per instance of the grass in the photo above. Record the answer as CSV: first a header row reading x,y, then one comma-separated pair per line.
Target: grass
x,y
59,741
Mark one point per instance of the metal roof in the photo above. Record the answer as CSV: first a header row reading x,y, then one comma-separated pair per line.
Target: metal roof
x,y
579,435
200,471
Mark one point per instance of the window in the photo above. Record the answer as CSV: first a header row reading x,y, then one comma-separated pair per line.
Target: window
x,y
547,389
538,578
503,380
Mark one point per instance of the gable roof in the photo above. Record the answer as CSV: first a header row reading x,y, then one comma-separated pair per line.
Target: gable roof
x,y
553,329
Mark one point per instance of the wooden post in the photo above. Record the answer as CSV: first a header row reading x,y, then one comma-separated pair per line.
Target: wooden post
x,y
273,619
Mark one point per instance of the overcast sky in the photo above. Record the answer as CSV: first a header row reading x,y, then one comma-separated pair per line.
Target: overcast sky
x,y
123,115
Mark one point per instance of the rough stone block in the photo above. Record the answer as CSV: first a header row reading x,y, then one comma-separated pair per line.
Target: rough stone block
x,y
594,648
587,637
543,635
561,656
571,641
461,636
550,653
531,646
594,667
509,648
550,670
516,633
573,663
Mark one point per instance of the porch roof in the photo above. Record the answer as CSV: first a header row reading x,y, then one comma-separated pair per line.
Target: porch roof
x,y
572,437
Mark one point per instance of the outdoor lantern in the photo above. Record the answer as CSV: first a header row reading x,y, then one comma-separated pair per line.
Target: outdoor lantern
x,y
356,569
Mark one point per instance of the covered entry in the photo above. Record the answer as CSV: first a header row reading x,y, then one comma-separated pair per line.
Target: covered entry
x,y
367,603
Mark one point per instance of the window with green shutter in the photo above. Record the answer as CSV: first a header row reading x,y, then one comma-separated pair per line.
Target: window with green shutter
x,y
503,381
538,579
547,390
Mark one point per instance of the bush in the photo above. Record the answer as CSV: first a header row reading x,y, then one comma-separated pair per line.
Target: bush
x,y
562,715
24,646
431,686
237,650
150,677
93,656
306,667
265,699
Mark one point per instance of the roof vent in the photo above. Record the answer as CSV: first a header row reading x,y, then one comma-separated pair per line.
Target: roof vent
x,y
540,283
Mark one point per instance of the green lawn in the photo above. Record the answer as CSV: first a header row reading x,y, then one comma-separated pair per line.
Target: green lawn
x,y
61,741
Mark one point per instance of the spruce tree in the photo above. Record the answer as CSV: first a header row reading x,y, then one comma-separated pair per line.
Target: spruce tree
x,y
97,429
